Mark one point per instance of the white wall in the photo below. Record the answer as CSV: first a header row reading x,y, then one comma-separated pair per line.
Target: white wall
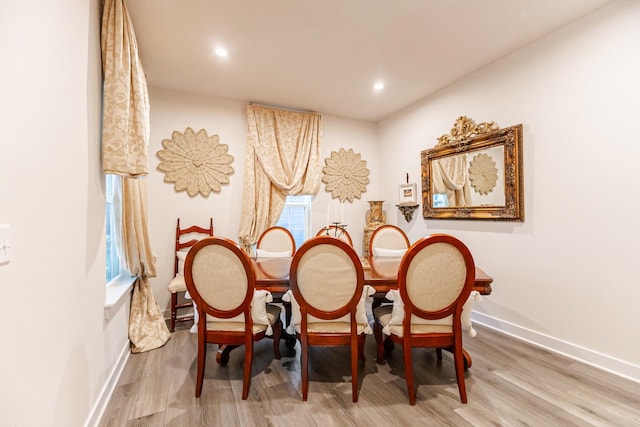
x,y
175,111
57,348
567,277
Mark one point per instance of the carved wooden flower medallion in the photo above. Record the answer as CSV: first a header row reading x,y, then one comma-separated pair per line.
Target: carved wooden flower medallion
x,y
345,174
483,173
195,162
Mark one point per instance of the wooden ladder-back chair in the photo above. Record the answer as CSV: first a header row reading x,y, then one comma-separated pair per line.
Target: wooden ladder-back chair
x,y
177,285
221,281
435,279
335,231
388,240
327,284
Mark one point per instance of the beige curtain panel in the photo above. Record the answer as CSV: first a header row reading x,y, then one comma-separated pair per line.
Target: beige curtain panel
x,y
137,248
125,136
147,328
125,116
282,158
451,177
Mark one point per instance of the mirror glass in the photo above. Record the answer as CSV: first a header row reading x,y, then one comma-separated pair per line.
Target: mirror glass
x,y
474,173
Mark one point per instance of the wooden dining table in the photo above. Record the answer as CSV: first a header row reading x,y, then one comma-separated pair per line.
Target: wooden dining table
x,y
381,273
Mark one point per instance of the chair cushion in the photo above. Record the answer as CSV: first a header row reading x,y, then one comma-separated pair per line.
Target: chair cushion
x,y
384,312
341,324
384,252
395,316
263,253
262,314
177,284
272,313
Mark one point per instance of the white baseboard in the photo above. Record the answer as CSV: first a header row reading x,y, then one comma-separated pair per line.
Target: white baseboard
x,y
573,351
107,390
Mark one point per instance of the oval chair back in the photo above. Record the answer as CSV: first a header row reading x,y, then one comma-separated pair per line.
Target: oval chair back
x,y
277,239
334,231
435,279
387,237
327,283
221,280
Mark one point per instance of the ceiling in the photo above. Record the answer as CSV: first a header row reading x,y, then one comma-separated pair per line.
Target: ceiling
x,y
325,55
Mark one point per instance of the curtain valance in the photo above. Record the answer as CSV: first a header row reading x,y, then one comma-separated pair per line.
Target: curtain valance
x,y
282,158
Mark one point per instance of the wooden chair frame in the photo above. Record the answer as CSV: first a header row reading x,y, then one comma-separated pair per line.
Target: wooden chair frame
x,y
382,229
334,231
276,229
451,341
246,337
355,340
175,306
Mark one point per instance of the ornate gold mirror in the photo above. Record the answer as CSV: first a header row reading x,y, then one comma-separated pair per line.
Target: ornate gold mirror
x,y
474,172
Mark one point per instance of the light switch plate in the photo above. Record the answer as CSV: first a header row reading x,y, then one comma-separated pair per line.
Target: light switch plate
x,y
5,243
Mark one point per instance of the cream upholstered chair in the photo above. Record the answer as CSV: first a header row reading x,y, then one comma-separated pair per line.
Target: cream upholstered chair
x,y
185,239
275,241
435,279
334,231
388,240
327,284
221,281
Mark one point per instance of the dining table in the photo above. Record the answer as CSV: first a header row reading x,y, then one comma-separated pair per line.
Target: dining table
x,y
381,273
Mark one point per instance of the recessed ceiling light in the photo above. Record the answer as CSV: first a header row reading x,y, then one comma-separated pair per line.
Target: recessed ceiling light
x,y
378,86
220,51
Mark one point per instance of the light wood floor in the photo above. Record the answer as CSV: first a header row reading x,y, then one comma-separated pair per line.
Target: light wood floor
x,y
510,384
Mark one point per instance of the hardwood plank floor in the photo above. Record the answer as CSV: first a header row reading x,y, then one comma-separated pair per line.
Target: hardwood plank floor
x,y
511,383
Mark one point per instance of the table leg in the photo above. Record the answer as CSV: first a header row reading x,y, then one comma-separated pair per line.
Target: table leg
x,y
290,340
223,353
222,356
467,359
465,355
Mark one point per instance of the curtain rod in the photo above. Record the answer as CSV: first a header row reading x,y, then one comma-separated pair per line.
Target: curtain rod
x,y
281,107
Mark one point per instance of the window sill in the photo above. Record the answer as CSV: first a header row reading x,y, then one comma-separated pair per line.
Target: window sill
x,y
116,291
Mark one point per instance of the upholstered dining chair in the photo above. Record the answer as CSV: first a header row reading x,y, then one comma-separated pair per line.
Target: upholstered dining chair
x,y
185,239
435,279
327,284
335,231
275,241
388,240
221,280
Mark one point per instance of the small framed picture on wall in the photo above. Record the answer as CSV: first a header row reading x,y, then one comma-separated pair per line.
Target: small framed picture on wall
x,y
407,193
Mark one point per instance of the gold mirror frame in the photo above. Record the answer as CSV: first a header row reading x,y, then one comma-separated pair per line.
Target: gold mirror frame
x,y
468,137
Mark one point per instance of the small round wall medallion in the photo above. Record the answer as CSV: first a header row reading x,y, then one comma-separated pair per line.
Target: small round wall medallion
x,y
483,173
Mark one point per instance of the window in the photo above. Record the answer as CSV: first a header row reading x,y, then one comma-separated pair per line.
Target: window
x,y
440,201
119,281
114,227
296,217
